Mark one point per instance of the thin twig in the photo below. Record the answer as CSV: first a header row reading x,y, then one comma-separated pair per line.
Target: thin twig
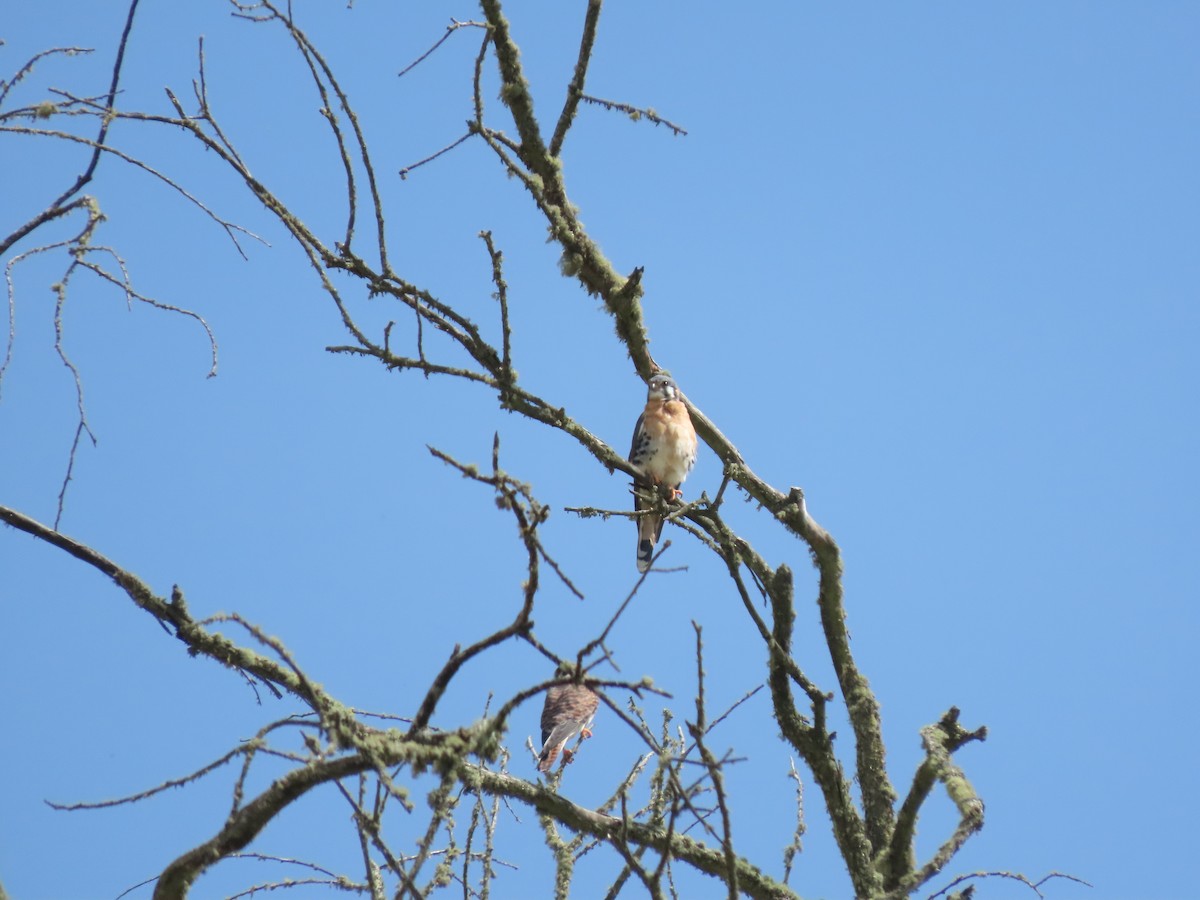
x,y
142,795
84,178
1015,876
406,169
635,113
27,68
450,29
797,845
227,226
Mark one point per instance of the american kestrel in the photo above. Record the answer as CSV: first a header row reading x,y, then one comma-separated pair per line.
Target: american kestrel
x,y
664,448
568,711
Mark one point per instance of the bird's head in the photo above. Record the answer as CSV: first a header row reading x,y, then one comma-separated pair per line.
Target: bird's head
x,y
565,669
662,387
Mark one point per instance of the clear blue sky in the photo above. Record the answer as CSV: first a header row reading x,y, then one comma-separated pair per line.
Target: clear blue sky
x,y
935,263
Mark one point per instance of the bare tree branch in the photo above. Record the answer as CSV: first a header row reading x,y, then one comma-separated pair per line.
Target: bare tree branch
x,y
575,88
686,821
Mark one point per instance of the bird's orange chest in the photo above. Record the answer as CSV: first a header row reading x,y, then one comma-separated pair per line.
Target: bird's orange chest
x,y
667,420
672,440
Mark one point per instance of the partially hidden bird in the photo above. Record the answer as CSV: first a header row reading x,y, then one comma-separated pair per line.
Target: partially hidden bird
x,y
664,449
568,711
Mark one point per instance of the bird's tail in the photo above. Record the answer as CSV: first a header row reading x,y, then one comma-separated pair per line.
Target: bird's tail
x,y
649,528
548,756
554,741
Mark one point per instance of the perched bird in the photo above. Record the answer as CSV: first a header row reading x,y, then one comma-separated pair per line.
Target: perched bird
x,y
664,448
568,711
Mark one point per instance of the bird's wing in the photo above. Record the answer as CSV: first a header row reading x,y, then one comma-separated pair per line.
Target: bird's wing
x,y
639,448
